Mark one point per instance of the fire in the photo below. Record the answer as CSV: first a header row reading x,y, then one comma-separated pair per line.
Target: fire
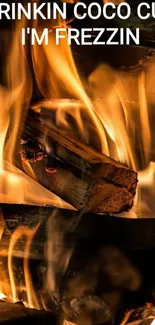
x,y
15,185
66,322
10,288
119,108
63,82
15,101
127,98
116,2
29,234
70,1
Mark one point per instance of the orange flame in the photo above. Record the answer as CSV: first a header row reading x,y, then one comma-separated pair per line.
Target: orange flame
x,y
10,288
66,322
70,1
29,234
66,80
16,186
116,2
119,109
15,101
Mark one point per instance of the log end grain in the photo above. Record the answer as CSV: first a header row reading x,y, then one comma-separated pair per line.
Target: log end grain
x,y
109,199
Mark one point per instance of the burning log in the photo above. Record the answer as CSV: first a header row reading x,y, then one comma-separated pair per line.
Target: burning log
x,y
124,232
75,172
18,314
141,316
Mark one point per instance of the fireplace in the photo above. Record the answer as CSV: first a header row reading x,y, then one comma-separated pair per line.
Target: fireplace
x,y
77,227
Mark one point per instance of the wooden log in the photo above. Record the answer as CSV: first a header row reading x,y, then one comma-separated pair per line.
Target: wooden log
x,y
90,255
79,285
93,309
132,234
80,175
18,314
143,315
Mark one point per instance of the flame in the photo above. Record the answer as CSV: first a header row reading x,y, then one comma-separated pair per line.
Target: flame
x,y
116,2
144,117
116,118
66,322
10,288
126,317
118,111
15,185
64,81
29,234
57,255
14,101
125,110
70,1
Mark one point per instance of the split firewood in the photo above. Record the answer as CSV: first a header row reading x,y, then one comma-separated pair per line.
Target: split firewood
x,y
74,171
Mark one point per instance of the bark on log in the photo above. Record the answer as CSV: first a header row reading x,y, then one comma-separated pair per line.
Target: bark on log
x,y
80,175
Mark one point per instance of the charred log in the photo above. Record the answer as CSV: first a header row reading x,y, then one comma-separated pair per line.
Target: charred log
x,y
97,274
18,314
101,267
76,172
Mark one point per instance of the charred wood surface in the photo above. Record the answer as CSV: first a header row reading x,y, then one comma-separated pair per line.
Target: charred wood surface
x,y
75,172
18,314
81,290
103,265
135,234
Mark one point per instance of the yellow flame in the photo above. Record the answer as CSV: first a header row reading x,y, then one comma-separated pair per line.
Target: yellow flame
x,y
63,80
144,117
118,108
29,234
118,111
66,322
15,101
10,287
70,1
